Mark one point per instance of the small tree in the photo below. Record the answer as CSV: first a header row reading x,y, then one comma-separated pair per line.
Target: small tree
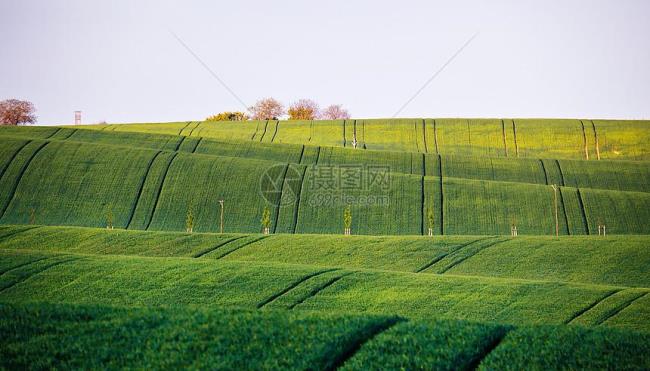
x,y
266,220
16,112
430,219
32,216
109,219
335,112
267,109
189,220
228,116
304,109
347,221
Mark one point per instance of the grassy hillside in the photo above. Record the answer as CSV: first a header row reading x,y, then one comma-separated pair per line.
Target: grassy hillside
x,y
201,338
546,138
81,183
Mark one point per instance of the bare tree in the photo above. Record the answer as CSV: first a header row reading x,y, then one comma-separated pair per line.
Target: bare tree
x,y
17,112
267,109
335,112
303,109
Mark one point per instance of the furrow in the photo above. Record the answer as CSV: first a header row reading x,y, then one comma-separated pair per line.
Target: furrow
x,y
140,188
291,287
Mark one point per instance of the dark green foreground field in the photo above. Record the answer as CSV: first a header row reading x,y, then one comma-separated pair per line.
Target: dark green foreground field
x,y
74,294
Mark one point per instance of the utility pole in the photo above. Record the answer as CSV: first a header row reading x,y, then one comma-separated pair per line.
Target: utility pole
x,y
557,224
221,224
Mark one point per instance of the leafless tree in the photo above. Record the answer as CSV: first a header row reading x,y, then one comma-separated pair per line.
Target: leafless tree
x,y
267,109
17,112
335,112
303,109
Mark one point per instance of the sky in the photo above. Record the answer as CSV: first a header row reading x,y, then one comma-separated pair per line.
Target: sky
x,y
125,60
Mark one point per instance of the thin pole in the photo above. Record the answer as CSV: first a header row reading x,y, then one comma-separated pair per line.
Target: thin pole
x,y
557,224
221,203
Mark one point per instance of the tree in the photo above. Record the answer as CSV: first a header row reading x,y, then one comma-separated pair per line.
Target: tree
x,y
347,220
430,219
228,116
189,220
304,109
17,112
267,109
335,112
266,220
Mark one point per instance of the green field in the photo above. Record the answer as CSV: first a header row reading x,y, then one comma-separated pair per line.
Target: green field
x,y
150,293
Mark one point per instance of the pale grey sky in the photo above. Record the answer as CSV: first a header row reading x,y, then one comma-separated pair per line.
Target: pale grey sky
x,y
118,61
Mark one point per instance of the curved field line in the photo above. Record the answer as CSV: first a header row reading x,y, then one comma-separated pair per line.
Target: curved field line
x,y
297,207
194,128
266,124
486,352
424,135
442,209
12,193
211,249
566,218
302,151
621,308
160,187
469,256
256,128
292,286
24,265
582,210
183,128
277,208
13,157
439,258
140,188
53,134
422,202
277,124
315,291
590,306
242,246
71,134
344,141
178,145
18,232
561,173
197,144
351,350
544,170
36,273
317,156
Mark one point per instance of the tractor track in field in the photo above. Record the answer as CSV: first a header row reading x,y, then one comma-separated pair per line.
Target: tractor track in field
x,y
140,188
242,246
72,132
514,135
344,139
23,265
197,145
481,249
582,210
2,238
183,128
13,157
422,216
275,132
559,168
12,193
566,218
424,135
266,124
215,247
24,279
474,365
159,190
277,208
194,128
297,207
53,134
590,306
293,286
544,170
318,289
180,142
354,347
439,258
442,197
621,308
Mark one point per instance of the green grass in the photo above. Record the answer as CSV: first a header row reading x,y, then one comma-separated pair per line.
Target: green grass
x,y
547,138
592,260
138,281
41,335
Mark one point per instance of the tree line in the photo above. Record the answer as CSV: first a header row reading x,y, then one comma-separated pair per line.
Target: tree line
x,y
272,109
